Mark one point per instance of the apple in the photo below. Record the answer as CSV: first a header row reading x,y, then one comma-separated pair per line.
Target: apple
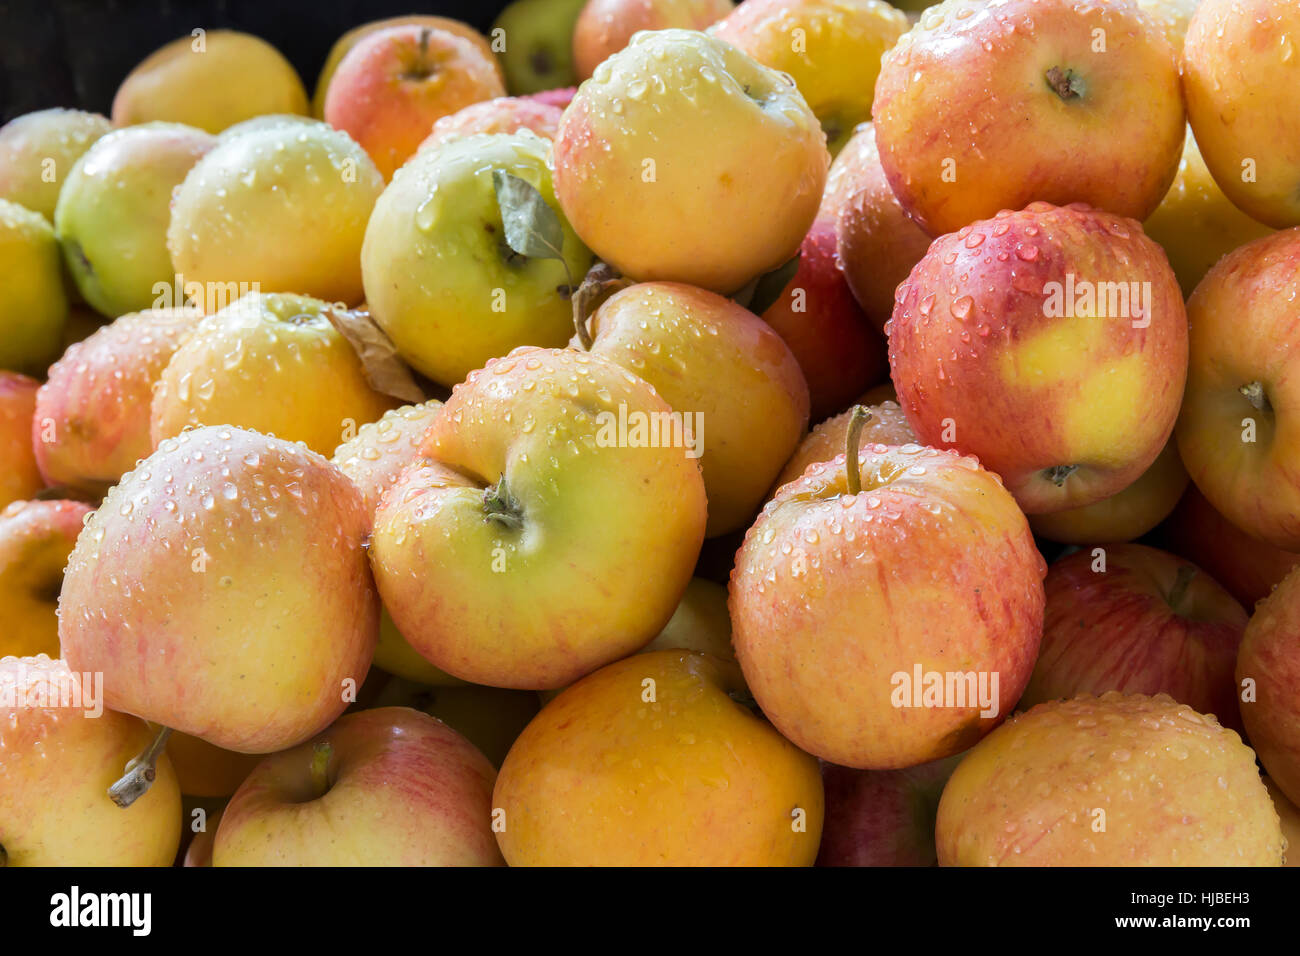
x,y
992,105
87,430
114,210
385,787
350,39
886,425
230,562
505,114
1248,568
604,27
390,88
551,533
878,243
1126,515
538,44
1237,60
211,79
204,770
20,478
38,150
870,580
1268,667
441,278
728,374
1116,780
724,151
266,121
882,817
651,761
36,538
34,308
1139,621
1196,224
1051,343
282,208
832,49
491,718
1289,816
1234,427
279,346
700,623
838,350
59,751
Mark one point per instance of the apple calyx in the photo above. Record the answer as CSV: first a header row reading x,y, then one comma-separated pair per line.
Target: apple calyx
x,y
1058,473
853,474
320,767
140,772
499,505
601,281
1255,394
1179,590
1066,84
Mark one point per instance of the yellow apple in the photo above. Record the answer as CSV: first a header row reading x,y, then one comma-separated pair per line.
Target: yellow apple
x,y
34,308
38,150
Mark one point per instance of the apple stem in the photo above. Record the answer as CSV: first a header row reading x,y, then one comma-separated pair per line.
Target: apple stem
x,y
501,506
601,281
1185,574
140,772
857,419
1255,394
320,766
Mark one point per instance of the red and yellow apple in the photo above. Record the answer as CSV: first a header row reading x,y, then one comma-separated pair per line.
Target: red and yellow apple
x,y
1268,669
20,478
505,114
36,538
604,27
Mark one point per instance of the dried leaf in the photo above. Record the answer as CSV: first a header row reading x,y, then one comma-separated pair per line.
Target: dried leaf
x,y
384,368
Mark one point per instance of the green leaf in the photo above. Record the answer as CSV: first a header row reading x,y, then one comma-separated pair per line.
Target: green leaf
x,y
532,227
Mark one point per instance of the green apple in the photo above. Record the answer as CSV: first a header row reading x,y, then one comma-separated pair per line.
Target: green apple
x,y
113,213
441,279
34,308
38,150
538,44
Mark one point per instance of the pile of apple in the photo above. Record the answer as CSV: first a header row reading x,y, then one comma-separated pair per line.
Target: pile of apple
x,y
422,474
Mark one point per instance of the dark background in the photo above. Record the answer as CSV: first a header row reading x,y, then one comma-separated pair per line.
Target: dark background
x,y
75,52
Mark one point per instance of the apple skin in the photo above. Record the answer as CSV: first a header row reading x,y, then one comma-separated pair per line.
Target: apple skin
x,y
301,195
700,623
233,77
1150,623
439,277
834,593
1171,16
258,542
1176,789
1247,568
207,771
350,39
28,141
604,27
87,430
491,718
739,155
1249,479
391,87
1270,657
34,309
199,852
970,86
1125,515
878,243
1290,818
403,789
980,365
1236,55
505,114
279,345
36,538
886,426
561,96
595,545
20,478
1196,224
580,786
113,213
538,52
709,357
56,765
882,817
832,48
